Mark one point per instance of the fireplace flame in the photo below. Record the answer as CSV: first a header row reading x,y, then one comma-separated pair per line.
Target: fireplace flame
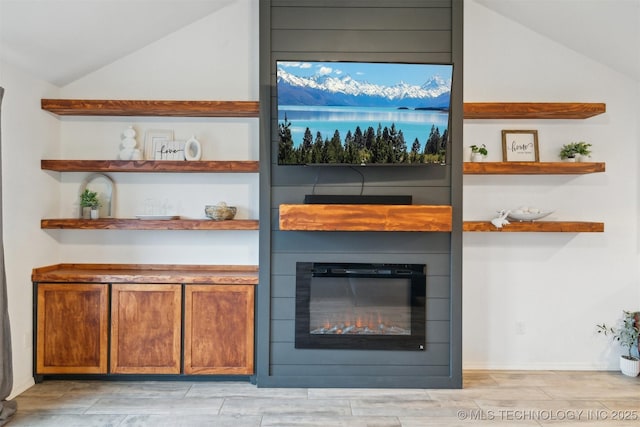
x,y
369,324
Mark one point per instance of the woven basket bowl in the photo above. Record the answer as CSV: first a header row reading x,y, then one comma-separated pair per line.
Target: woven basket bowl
x,y
220,213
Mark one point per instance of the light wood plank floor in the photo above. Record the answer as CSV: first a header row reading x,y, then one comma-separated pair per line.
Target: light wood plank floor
x,y
521,398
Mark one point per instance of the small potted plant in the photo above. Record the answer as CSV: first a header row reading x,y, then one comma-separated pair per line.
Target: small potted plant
x,y
584,151
568,152
626,334
90,203
478,153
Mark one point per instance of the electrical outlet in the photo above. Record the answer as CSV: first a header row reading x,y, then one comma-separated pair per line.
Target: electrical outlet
x,y
520,328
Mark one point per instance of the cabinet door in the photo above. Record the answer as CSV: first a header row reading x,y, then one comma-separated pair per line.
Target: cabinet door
x,y
72,328
218,329
145,329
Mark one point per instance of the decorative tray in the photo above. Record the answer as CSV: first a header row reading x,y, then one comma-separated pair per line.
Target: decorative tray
x,y
528,216
157,217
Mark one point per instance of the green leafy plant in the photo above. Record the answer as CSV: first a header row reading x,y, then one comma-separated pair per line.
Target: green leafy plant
x,y
569,151
482,149
626,332
89,199
583,148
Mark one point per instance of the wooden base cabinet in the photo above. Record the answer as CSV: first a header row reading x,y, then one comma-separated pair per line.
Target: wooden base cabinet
x,y
218,333
145,328
143,319
72,328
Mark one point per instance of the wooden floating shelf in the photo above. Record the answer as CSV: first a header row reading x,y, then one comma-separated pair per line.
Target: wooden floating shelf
x,y
346,217
536,226
227,166
163,108
147,273
532,168
532,110
138,224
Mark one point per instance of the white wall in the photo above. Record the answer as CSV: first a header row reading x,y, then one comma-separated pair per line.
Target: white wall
x,y
531,300
28,135
212,59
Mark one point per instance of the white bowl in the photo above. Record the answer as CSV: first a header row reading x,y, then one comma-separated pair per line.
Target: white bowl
x,y
528,216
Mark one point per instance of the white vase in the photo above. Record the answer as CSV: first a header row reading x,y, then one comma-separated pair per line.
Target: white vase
x,y
629,367
95,213
569,159
477,157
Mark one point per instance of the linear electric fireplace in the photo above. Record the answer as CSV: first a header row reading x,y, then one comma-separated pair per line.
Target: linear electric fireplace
x,y
360,306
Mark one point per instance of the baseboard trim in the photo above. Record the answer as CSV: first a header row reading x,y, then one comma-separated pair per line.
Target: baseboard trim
x,y
540,367
21,388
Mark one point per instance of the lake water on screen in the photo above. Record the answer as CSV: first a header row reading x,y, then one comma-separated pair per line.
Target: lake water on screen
x,y
413,123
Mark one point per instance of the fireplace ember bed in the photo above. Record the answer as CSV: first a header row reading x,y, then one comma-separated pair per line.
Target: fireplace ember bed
x,y
360,306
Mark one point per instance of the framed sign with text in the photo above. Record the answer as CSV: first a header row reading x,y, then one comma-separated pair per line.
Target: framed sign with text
x,y
155,137
520,146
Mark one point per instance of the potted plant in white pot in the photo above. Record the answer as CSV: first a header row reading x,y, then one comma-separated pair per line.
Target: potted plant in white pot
x,y
626,334
584,151
478,153
569,152
90,203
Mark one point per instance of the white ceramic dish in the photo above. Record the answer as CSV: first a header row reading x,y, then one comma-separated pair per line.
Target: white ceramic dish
x,y
157,217
528,216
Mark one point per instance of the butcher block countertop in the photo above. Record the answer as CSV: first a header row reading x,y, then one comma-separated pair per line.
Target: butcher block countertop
x,y
147,273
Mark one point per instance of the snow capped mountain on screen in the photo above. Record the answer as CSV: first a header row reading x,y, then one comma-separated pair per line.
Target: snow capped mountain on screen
x,y
345,90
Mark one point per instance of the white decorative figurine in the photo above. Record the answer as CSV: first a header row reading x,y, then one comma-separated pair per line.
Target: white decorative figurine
x,y
128,144
501,219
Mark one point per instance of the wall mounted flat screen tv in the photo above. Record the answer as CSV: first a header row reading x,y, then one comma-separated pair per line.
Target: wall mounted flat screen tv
x,y
362,113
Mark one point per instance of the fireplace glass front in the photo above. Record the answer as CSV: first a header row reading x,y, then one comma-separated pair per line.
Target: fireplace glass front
x,y
360,306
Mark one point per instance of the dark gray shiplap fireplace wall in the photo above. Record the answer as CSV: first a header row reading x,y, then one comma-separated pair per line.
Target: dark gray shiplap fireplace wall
x,y
374,30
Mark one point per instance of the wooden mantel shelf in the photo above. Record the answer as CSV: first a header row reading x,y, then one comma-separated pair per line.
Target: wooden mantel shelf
x,y
227,166
166,108
138,224
536,226
147,273
532,110
532,168
356,217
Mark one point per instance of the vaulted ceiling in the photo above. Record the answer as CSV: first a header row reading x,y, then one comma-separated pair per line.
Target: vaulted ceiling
x,y
607,31
62,40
